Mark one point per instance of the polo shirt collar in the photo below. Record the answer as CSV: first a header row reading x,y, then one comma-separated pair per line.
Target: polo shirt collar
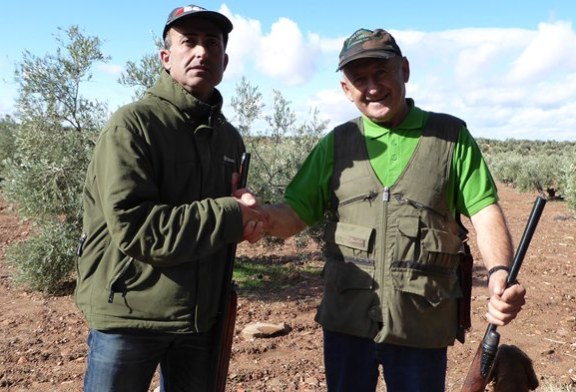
x,y
413,121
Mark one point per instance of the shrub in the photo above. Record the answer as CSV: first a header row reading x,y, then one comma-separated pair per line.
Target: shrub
x,y
531,165
568,180
8,129
45,260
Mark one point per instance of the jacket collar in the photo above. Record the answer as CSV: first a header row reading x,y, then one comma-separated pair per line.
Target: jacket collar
x,y
168,89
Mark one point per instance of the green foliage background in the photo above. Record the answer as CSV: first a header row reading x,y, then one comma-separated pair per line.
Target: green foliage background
x,y
546,166
45,150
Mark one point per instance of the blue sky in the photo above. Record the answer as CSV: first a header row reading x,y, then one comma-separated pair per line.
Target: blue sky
x,y
508,68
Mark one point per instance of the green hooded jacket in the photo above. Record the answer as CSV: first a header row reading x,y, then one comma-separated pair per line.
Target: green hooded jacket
x,y
158,215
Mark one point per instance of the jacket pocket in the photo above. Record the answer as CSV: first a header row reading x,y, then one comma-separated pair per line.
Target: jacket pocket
x,y
116,277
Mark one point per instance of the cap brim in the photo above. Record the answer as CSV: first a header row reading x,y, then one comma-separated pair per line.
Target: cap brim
x,y
367,54
215,17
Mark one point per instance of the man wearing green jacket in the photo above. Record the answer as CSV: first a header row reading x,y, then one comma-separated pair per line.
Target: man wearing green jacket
x,y
160,214
392,183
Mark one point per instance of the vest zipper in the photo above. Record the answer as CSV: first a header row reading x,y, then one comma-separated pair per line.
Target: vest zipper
x,y
384,268
386,194
419,206
370,196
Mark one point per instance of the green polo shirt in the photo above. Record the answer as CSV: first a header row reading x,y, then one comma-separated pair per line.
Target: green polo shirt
x,y
389,150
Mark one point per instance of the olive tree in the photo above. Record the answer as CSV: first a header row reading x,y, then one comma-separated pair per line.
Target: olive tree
x,y
57,130
8,129
142,74
281,148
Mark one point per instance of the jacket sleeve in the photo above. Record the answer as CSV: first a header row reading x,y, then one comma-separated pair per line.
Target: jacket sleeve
x,y
143,227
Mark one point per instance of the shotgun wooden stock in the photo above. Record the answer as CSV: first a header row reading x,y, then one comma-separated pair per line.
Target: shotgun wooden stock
x,y
228,306
479,372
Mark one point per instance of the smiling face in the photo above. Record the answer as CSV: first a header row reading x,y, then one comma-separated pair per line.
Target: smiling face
x,y
377,88
195,56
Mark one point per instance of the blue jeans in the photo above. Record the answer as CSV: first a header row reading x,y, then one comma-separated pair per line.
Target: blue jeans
x,y
352,364
126,361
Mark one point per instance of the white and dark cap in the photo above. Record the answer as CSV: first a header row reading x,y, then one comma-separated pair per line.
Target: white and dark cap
x,y
194,11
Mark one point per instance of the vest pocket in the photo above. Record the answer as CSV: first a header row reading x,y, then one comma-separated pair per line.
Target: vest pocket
x,y
434,283
426,266
350,263
349,292
441,248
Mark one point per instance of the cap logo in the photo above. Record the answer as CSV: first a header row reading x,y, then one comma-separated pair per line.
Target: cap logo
x,y
188,8
357,38
193,10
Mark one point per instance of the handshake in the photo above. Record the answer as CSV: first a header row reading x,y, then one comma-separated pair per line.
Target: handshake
x,y
255,217
278,220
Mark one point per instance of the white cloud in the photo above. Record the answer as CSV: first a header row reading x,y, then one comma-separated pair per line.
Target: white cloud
x,y
242,44
333,106
6,107
110,69
285,55
551,50
504,82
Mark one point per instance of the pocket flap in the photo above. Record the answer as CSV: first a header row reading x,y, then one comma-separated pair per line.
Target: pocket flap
x,y
442,242
409,227
430,284
350,235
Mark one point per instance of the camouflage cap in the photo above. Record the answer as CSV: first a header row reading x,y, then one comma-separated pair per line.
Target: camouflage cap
x,y
368,44
192,10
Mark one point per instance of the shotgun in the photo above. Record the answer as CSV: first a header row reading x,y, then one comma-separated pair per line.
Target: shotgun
x,y
228,305
479,372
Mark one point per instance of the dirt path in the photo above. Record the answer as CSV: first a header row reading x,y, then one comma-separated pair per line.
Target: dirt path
x,y
42,340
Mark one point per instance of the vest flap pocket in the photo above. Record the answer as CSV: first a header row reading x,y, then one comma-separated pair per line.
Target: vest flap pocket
x,y
352,236
409,226
434,283
347,276
441,242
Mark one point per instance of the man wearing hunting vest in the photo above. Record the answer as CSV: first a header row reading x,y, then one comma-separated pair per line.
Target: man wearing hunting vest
x,y
392,184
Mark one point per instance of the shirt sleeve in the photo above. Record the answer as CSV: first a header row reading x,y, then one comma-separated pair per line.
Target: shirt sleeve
x,y
308,194
474,186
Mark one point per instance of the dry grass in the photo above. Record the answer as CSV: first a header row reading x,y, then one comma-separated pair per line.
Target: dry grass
x,y
547,387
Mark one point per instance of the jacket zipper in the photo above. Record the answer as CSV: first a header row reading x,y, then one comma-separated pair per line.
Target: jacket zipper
x,y
80,248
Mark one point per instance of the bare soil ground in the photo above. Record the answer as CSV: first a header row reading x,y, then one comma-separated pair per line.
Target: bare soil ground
x,y
42,339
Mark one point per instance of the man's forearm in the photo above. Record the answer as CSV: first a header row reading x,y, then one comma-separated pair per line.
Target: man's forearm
x,y
493,236
283,222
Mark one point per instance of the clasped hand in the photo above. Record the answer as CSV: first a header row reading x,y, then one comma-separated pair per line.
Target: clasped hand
x,y
254,217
